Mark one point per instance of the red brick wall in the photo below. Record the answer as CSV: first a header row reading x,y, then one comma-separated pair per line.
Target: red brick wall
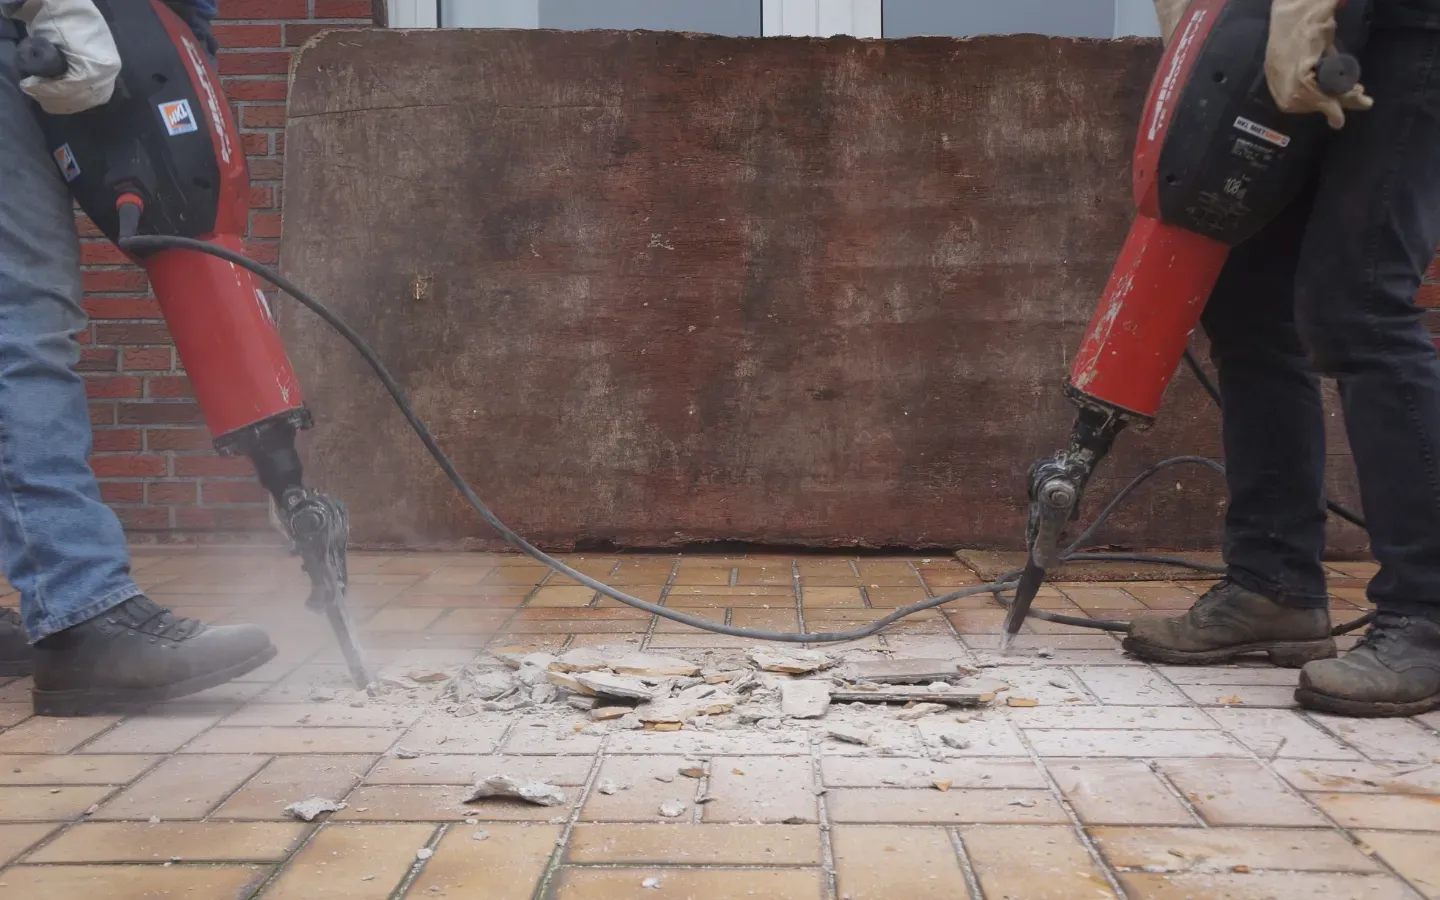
x,y
152,450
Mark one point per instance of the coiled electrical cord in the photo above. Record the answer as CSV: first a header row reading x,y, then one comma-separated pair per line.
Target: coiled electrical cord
x,y
142,244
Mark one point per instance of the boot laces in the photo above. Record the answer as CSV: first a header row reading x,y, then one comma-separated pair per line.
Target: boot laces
x,y
149,617
1386,627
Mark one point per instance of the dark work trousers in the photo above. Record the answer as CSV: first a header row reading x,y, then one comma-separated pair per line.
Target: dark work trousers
x,y
1328,289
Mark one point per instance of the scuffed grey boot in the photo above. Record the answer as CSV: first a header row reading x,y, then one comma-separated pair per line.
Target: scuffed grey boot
x,y
1393,671
16,657
1230,621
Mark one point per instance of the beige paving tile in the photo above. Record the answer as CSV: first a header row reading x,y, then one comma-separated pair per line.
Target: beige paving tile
x,y
333,714
442,733
294,740
507,865
1238,792
1360,777
693,845
12,714
645,782
1236,674
1132,743
1412,854
1033,863
104,842
683,884
1384,740
924,807
1118,792
182,787
465,769
985,737
351,862
286,779
210,882
46,735
59,770
1080,715
16,839
403,618
30,803
1264,886
1381,811
877,862
775,789
1280,734
151,734
1241,695
845,771
1130,686
1222,849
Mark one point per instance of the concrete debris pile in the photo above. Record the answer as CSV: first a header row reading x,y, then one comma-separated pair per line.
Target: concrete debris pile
x,y
619,688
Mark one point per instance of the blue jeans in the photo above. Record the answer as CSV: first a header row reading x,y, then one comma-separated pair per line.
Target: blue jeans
x,y
1329,289
63,549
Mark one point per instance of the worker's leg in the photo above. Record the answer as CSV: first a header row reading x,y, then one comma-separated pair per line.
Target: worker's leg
x,y
1373,233
63,549
1273,598
101,645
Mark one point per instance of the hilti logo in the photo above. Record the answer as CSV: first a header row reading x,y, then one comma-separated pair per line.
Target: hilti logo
x,y
212,102
177,117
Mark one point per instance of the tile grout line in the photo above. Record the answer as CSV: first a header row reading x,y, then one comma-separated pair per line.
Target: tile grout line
x,y
663,600
822,806
967,865
1076,824
1285,785
797,589
567,831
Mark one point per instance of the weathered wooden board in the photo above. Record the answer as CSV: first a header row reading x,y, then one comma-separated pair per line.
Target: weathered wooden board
x,y
654,288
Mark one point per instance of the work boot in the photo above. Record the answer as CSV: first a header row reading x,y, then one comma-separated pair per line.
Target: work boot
x,y
138,654
1393,671
15,655
1230,621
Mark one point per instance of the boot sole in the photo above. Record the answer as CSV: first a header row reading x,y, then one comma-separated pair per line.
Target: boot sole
x,y
1368,709
1285,654
103,701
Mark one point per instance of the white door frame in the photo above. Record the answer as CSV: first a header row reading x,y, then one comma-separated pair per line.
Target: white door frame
x,y
413,13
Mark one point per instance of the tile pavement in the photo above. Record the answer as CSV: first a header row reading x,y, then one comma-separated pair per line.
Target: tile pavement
x,y
1127,780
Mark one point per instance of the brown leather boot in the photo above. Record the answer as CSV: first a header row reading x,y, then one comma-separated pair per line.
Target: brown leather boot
x,y
1393,671
1230,621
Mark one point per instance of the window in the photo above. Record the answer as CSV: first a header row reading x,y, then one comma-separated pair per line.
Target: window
x,y
818,18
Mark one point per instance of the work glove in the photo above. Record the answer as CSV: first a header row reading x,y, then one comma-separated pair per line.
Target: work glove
x,y
1301,32
78,29
1169,13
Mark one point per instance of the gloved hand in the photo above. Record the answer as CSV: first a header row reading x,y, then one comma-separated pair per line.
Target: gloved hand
x,y
78,29
1169,13
1301,31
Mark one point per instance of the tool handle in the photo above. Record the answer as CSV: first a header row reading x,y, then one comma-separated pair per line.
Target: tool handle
x,y
1337,74
39,57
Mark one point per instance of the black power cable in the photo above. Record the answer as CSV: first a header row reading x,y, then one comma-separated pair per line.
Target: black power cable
x,y
143,244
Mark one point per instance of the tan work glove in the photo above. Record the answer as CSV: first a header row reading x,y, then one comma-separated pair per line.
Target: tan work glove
x,y
78,29
1169,13
1301,31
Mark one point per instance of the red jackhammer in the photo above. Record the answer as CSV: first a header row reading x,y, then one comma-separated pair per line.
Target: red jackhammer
x,y
1215,161
162,159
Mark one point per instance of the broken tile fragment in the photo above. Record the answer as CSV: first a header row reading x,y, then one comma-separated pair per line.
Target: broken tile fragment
x,y
538,792
605,684
905,671
919,711
605,713
672,809
651,665
849,734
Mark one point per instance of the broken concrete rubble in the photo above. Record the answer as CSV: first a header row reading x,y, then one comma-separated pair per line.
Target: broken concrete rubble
x,y
538,792
604,684
307,810
919,711
791,662
956,697
905,671
804,699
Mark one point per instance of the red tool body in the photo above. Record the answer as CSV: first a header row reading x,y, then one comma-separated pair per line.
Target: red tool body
x,y
1215,161
163,157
